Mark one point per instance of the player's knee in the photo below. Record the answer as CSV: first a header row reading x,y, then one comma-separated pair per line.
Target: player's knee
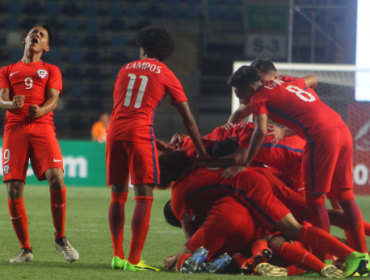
x,y
14,189
275,243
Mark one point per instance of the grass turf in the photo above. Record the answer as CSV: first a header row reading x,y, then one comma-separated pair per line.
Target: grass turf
x,y
88,231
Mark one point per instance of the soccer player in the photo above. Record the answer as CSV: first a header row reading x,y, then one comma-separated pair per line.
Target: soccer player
x,y
239,235
139,89
250,187
327,157
29,91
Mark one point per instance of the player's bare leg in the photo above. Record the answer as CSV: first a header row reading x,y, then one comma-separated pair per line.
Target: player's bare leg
x,y
140,227
18,216
58,201
117,222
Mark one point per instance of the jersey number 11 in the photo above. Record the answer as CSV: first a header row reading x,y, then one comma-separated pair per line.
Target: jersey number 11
x,y
140,95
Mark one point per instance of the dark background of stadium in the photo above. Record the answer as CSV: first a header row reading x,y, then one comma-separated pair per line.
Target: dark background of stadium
x,y
94,39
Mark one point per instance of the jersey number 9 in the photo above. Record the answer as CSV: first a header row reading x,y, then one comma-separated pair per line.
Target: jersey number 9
x,y
29,83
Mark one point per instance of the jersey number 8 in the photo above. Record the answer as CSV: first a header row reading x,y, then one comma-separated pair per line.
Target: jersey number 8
x,y
140,95
304,95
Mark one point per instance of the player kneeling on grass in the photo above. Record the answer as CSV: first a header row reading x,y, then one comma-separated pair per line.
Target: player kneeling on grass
x,y
131,150
29,91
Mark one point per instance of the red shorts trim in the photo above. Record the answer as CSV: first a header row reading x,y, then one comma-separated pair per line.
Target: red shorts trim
x,y
36,142
327,161
139,160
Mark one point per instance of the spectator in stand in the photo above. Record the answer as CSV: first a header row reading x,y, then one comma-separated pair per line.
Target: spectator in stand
x,y
99,129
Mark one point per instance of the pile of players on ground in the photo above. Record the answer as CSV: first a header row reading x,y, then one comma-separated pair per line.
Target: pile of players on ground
x,y
256,221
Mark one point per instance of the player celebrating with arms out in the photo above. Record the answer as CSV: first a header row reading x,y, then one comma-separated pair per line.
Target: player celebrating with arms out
x,y
327,157
131,149
29,91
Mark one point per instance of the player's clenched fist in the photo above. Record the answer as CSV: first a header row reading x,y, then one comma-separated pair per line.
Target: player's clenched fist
x,y
18,101
34,111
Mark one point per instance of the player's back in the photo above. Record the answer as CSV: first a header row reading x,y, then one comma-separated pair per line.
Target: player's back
x,y
297,108
31,80
139,89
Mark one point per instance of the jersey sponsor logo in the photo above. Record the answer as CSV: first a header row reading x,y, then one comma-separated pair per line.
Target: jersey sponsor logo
x,y
57,160
11,74
42,73
6,169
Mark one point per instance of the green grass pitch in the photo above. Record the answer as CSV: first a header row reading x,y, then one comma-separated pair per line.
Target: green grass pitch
x,y
88,231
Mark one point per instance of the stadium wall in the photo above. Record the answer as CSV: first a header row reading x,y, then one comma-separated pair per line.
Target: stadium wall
x,y
84,164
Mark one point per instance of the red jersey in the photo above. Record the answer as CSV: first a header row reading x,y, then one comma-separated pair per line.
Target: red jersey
x,y
139,89
31,80
294,106
283,156
187,145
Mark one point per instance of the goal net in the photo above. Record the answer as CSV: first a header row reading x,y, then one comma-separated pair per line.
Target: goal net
x,y
337,89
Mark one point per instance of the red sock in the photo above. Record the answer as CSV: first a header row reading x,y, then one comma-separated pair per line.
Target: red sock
x,y
239,261
293,270
259,246
18,216
300,257
319,239
367,228
116,218
181,260
353,215
139,227
319,218
58,202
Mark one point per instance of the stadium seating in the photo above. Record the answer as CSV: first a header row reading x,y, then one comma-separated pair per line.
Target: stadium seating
x,y
76,89
91,10
55,57
118,41
73,41
115,10
14,8
72,24
75,57
89,32
134,11
94,74
52,9
92,41
34,9
11,24
92,26
116,25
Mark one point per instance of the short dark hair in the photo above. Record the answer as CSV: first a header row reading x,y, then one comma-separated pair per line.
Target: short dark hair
x,y
244,77
156,42
264,65
171,164
169,216
48,29
225,148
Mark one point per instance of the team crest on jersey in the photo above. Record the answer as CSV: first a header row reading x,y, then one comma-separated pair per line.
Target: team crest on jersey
x,y
6,169
42,73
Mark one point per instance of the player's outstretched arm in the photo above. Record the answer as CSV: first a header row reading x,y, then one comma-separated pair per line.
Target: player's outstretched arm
x,y
258,136
163,146
311,81
6,104
52,97
191,128
240,114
